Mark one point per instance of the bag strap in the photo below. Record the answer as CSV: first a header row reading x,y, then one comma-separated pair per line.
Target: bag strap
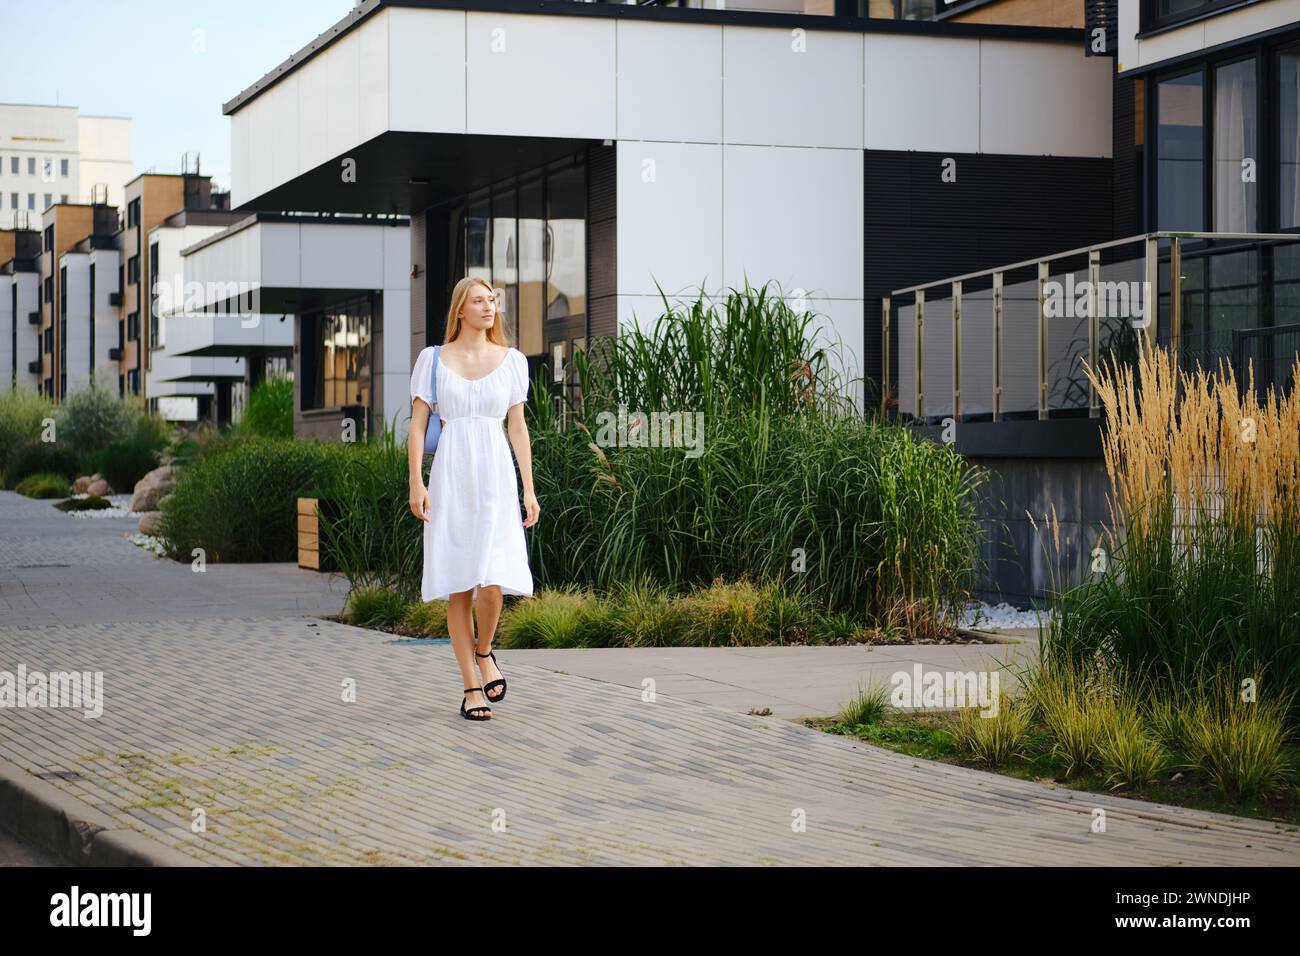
x,y
433,376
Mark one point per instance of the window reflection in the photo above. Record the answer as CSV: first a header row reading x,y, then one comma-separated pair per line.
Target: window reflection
x,y
342,353
1180,154
1288,128
1235,152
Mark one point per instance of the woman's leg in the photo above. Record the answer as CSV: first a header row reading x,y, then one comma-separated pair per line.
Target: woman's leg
x,y
460,624
488,611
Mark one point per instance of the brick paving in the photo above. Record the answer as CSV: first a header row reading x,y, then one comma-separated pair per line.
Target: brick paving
x,y
225,694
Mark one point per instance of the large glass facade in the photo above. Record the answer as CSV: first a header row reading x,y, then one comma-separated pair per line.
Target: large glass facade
x,y
527,235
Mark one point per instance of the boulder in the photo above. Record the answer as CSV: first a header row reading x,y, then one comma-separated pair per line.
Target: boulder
x,y
79,486
96,476
99,487
151,522
150,489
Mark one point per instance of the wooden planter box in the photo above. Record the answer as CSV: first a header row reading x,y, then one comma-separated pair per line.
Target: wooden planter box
x,y
309,555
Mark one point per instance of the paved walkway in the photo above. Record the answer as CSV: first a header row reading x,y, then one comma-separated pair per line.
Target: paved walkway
x,y
225,695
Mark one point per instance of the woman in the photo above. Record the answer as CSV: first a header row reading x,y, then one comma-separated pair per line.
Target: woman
x,y
474,549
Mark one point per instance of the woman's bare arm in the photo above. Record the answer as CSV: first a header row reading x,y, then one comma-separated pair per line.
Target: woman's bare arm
x,y
517,429
420,413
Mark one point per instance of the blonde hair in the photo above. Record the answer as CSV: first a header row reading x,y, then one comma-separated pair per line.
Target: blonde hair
x,y
496,334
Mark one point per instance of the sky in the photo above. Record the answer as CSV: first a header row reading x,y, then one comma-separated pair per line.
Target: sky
x,y
167,64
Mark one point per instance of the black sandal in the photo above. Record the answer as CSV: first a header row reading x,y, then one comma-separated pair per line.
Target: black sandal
x,y
471,714
490,684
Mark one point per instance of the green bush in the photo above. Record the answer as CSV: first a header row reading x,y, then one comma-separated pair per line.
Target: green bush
x,y
995,740
868,707
374,607
239,503
92,418
44,486
88,503
50,458
269,411
21,413
124,463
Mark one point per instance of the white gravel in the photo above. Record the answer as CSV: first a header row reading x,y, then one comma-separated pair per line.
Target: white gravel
x,y
120,509
991,617
148,542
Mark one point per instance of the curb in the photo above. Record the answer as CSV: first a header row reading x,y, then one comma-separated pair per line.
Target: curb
x,y
39,812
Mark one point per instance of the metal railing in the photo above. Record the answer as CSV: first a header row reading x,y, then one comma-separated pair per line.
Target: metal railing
x,y
1010,342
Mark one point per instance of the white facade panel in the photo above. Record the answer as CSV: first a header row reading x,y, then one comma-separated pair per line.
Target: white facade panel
x,y
241,184
394,381
283,99
922,93
426,70
669,217
28,336
106,263
343,101
793,215
1040,99
313,112
372,79
278,261
7,370
682,104
792,87
342,257
397,257
534,75
76,296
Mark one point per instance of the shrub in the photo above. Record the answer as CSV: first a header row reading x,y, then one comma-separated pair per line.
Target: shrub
x,y
21,413
564,617
123,463
995,740
240,502
88,503
1240,746
1130,755
374,607
724,613
92,418
868,707
48,458
269,410
1204,536
645,615
44,486
1075,703
425,619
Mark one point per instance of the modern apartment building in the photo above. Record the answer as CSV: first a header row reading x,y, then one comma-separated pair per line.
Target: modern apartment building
x,y
554,148
53,154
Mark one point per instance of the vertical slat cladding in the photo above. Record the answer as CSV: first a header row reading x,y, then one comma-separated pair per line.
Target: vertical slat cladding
x,y
419,283
1000,209
602,234
1128,215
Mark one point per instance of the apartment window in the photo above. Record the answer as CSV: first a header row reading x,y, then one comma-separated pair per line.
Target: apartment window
x,y
1236,153
133,213
133,381
31,200
49,340
49,200
63,197
1180,153
49,238
1163,13
13,165
1288,136
63,168
63,290
133,269
121,386
49,289
31,165
133,326
13,200
336,355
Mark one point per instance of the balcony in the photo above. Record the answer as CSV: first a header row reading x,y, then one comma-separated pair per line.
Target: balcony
x,y
115,298
1010,343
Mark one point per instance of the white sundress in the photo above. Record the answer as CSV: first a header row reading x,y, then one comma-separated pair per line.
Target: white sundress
x,y
475,533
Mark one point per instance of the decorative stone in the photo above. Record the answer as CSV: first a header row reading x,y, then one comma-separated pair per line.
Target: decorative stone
x,y
79,486
99,487
151,522
150,489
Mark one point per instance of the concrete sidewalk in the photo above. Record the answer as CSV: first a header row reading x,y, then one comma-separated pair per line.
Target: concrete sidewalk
x,y
226,705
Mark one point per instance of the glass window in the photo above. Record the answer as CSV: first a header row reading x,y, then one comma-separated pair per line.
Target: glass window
x,y
478,229
532,270
49,201
341,343
505,258
31,165
13,200
63,168
1235,148
13,165
1288,136
566,243
1180,161
63,198
31,200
